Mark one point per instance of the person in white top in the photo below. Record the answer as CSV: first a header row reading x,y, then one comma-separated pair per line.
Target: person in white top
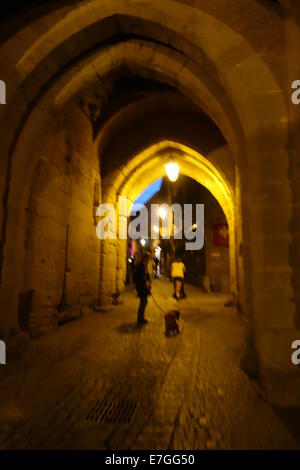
x,y
177,273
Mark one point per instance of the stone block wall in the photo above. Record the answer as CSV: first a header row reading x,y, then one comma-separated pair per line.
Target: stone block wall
x,y
61,253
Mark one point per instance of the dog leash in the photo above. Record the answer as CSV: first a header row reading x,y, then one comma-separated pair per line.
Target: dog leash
x,y
157,303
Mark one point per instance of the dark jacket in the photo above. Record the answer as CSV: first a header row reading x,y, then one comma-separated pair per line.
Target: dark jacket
x,y
142,280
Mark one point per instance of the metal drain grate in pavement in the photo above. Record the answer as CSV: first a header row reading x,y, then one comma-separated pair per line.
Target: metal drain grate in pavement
x,y
112,411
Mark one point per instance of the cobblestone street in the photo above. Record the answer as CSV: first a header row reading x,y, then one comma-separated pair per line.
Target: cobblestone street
x,y
102,383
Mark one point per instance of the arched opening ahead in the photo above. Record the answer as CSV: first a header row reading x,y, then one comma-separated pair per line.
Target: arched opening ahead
x,y
207,267
140,172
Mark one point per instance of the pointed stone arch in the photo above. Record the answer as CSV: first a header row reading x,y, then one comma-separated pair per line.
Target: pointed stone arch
x,y
237,81
140,171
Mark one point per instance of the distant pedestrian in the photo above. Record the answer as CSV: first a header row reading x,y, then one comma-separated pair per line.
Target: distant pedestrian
x,y
177,273
143,286
149,264
156,264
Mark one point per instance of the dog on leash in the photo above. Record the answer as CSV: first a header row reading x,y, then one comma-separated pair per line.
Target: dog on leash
x,y
171,318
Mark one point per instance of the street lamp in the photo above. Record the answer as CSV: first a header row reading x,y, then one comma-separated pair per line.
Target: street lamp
x,y
172,170
162,213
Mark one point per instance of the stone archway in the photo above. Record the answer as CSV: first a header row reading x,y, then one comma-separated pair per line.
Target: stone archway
x,y
233,76
141,171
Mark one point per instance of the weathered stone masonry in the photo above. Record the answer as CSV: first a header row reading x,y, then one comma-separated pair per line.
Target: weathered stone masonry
x,y
64,68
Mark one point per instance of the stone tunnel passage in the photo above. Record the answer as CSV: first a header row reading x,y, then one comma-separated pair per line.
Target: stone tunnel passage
x,y
182,392
142,170
99,94
208,267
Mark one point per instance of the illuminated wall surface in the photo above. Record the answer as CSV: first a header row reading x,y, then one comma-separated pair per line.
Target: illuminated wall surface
x,y
96,98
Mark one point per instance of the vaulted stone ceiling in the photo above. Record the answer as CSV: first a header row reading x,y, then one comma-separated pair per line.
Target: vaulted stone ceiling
x,y
58,46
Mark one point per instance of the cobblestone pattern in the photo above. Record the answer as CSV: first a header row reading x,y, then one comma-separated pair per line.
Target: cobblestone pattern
x,y
190,390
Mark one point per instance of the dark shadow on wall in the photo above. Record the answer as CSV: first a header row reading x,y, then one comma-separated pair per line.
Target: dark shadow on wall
x,y
291,418
24,309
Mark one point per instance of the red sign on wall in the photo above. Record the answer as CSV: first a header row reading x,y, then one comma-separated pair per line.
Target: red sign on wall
x,y
220,235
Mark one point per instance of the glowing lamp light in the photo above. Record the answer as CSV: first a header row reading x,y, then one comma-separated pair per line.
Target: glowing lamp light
x,y
172,170
143,242
155,228
162,213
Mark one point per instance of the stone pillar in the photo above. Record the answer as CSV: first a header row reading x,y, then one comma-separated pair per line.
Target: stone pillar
x,y
271,208
108,269
121,264
293,68
108,256
83,250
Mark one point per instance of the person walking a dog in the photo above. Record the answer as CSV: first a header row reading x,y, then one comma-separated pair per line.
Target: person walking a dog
x,y
143,287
